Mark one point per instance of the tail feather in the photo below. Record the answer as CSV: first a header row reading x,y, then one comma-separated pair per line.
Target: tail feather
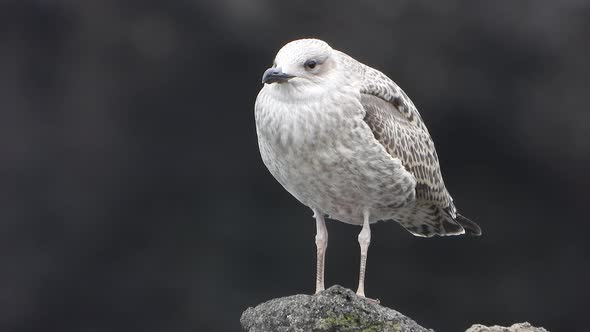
x,y
470,227
426,220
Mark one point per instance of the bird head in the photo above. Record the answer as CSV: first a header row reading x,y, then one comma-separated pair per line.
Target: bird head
x,y
300,63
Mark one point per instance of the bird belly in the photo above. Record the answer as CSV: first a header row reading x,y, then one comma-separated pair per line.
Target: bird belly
x,y
343,186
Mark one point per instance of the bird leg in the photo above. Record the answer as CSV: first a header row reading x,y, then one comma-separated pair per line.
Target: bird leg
x,y
321,242
364,241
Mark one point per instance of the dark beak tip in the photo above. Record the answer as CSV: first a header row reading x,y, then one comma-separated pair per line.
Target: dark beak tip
x,y
267,74
273,75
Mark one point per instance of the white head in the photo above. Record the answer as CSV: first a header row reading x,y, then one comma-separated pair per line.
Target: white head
x,y
302,63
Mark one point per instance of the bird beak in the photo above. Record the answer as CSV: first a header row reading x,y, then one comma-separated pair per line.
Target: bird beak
x,y
275,75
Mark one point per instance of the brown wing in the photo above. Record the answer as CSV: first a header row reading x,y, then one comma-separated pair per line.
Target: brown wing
x,y
398,126
405,137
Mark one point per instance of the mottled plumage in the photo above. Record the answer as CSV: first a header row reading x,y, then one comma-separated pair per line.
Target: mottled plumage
x,y
346,141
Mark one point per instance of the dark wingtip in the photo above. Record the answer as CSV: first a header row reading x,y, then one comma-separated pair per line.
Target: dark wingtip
x,y
471,228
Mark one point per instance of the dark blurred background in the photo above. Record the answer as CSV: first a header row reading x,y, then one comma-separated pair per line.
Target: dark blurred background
x,y
134,198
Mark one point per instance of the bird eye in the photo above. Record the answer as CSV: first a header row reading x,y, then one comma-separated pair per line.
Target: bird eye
x,y
310,64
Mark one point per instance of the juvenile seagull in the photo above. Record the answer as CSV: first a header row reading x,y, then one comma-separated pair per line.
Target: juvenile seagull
x,y
347,142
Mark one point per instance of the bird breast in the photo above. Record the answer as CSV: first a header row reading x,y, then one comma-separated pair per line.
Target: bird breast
x,y
325,155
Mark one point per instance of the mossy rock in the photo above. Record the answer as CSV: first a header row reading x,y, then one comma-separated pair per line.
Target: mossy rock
x,y
353,322
336,309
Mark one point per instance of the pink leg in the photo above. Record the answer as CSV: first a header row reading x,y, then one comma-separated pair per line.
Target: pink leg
x,y
364,241
321,242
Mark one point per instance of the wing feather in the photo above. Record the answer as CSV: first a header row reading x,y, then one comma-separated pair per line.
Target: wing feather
x,y
397,125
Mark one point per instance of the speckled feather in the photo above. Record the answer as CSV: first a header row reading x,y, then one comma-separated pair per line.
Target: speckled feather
x,y
397,124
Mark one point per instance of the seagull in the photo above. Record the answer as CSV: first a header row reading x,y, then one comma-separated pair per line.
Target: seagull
x,y
347,142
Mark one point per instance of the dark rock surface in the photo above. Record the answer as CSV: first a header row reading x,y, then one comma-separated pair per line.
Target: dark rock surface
x,y
335,309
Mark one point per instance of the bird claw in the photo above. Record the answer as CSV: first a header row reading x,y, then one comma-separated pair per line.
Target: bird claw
x,y
375,301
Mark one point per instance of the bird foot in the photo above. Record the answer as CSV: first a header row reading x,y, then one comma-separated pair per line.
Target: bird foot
x,y
374,301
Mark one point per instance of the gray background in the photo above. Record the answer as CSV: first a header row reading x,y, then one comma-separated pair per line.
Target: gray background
x,y
134,199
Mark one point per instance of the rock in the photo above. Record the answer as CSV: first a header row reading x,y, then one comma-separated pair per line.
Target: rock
x,y
520,327
336,309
